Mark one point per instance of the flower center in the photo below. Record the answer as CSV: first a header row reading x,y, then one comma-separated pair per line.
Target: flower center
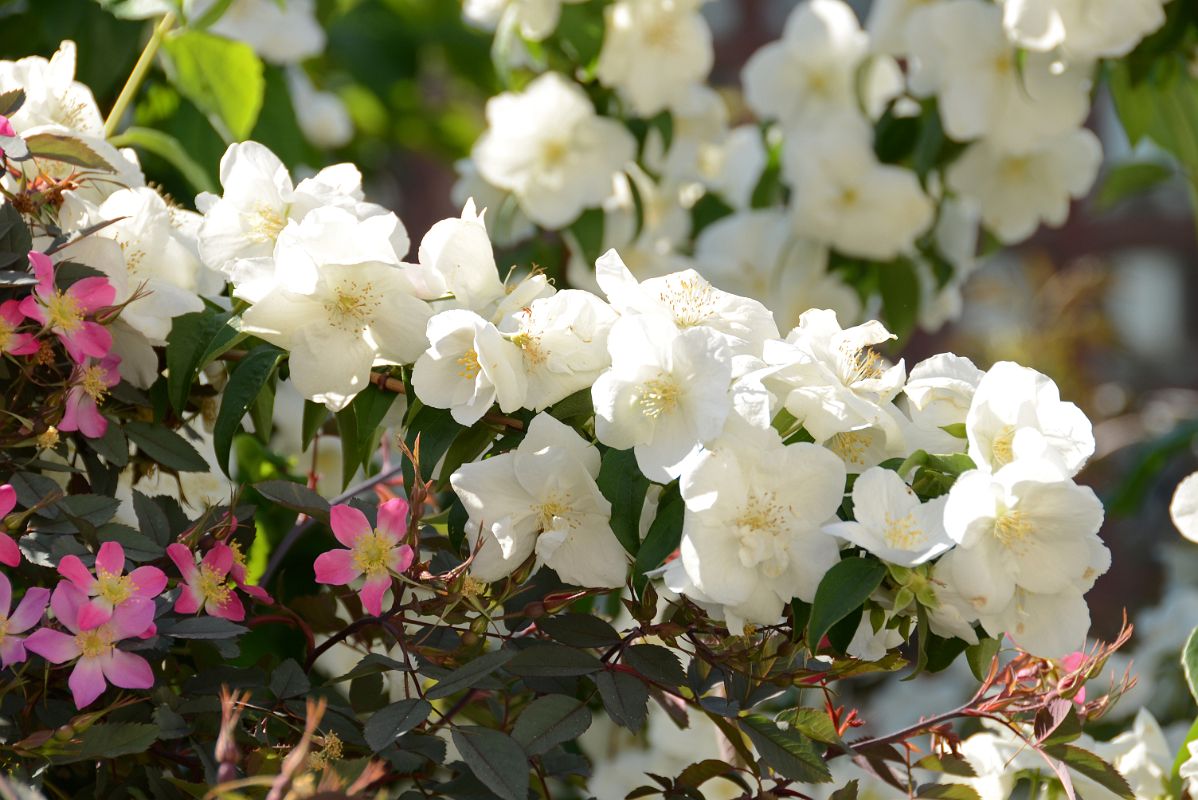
x,y
1015,168
213,586
94,382
761,528
659,396
372,553
1011,528
554,153
3,628
113,587
690,301
861,365
6,332
902,533
94,643
64,312
549,511
662,33
1000,448
352,306
470,367
133,256
531,346
266,223
850,446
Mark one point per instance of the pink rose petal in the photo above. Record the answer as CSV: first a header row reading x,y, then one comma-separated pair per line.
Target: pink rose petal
x,y
348,523
372,594
393,518
127,670
335,567
87,682
54,646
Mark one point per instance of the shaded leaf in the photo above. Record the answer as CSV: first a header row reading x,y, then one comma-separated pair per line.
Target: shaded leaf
x,y
625,698
389,723
843,590
495,759
166,447
248,378
580,630
786,752
467,675
1090,765
295,496
551,720
553,661
656,663
67,149
624,485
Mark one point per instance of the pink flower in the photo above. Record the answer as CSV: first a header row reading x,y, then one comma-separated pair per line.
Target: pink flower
x,y
110,587
237,573
89,386
208,584
1072,663
10,554
11,342
29,613
65,313
375,553
6,128
100,661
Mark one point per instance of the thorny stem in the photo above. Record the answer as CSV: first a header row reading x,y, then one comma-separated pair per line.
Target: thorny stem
x,y
129,90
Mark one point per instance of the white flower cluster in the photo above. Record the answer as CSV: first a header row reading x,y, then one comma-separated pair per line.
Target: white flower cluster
x,y
1007,83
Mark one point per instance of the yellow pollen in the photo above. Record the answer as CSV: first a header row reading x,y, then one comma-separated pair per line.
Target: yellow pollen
x,y
554,152
113,587
1015,167
331,750
864,364
48,438
372,553
1004,63
761,528
213,586
133,257
63,313
531,345
550,510
3,628
850,446
848,197
818,83
93,383
6,332
94,643
662,33
1012,527
353,306
659,396
265,224
903,533
238,556
1000,448
691,301
470,367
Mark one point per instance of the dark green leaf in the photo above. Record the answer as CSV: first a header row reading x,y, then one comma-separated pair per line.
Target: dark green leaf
x,y
495,759
1057,723
371,664
813,723
900,291
11,101
656,663
948,764
315,415
843,590
110,741
846,792
623,484
189,336
788,753
248,378
295,496
553,661
948,791
1189,662
470,673
389,723
981,655
358,424
201,628
580,630
113,445
15,240
1086,763
289,680
551,720
166,447
664,534
223,78
587,231
67,149
701,772
1125,181
138,547
625,698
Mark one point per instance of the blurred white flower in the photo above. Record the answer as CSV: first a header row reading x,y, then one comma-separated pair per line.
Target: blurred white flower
x,y
1141,755
282,33
653,51
888,23
1184,507
322,116
1017,191
547,146
1189,769
506,223
535,19
1083,29
542,498
962,55
468,366
891,522
52,95
665,394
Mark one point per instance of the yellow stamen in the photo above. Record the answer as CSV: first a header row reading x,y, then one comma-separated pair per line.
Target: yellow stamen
x,y
213,586
93,382
1011,528
265,224
64,313
1000,448
93,643
469,365
902,533
659,396
372,553
114,587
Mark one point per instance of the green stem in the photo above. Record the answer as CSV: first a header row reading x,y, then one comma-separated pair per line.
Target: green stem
x,y
129,90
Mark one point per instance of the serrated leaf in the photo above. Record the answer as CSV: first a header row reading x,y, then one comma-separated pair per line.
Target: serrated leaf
x,y
981,655
699,773
948,764
1057,723
470,673
843,590
289,680
551,720
68,150
372,663
110,741
625,698
151,519
846,792
495,759
553,661
11,101
166,447
248,378
1090,765
656,663
222,77
189,339
579,630
786,752
389,723
813,723
15,240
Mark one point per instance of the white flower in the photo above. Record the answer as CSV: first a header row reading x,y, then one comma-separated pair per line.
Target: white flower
x,y
282,33
1083,29
665,394
757,254
52,95
830,378
547,146
811,74
1020,528
1189,769
541,498
322,116
962,55
868,644
939,393
1017,191
1141,755
563,339
887,24
536,19
468,366
506,223
354,317
458,255
687,300
891,522
865,447
653,50
1017,415
732,168
844,196
1183,509
751,537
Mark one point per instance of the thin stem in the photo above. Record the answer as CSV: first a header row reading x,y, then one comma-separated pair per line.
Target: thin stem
x,y
129,90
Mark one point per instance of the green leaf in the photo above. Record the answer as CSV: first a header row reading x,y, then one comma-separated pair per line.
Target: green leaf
x,y
900,291
358,424
656,663
166,447
222,77
664,534
295,496
843,590
579,630
151,519
248,378
701,772
372,664
15,242
11,101
190,336
212,15
813,723
846,792
587,232
169,149
1189,663
289,680
1057,723
948,791
201,628
981,655
470,673
389,723
553,661
788,753
67,149
1124,181
948,764
315,415
437,431
1088,764
624,486
625,698
495,759
551,720
110,741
